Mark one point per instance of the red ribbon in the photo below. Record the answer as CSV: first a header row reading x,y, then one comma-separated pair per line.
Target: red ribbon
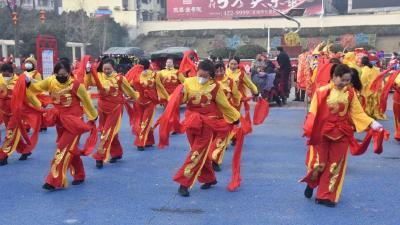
x,y
261,111
236,177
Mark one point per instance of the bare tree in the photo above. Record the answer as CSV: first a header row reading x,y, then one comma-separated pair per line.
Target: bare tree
x,y
81,28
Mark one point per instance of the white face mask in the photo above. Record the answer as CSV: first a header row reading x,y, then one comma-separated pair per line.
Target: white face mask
x,y
88,67
28,66
202,80
7,78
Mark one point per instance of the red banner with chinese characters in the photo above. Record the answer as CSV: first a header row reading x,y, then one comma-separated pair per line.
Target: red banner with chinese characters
x,y
230,9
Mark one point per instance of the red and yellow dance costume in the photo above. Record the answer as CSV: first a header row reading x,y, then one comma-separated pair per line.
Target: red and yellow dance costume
x,y
329,127
110,108
151,91
243,82
67,116
208,112
396,107
222,139
372,100
304,70
170,79
34,76
6,88
30,115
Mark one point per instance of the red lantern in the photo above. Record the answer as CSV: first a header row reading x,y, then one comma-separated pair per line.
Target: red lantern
x,y
14,17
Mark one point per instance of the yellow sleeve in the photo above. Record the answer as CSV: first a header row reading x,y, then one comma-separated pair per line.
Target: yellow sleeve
x,y
128,90
3,87
310,118
38,77
313,104
185,94
397,81
360,119
364,77
2,81
89,80
162,93
88,107
160,74
36,88
314,76
181,78
237,96
230,113
250,85
40,86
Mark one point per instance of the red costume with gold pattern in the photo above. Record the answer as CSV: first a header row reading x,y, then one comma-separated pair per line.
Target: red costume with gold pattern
x,y
110,108
170,79
208,113
67,116
16,134
329,127
396,108
223,139
151,91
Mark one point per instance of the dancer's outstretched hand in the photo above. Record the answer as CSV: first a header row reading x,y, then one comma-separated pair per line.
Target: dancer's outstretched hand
x,y
376,125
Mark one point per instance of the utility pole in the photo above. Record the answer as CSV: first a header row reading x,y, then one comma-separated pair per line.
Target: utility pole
x,y
15,12
56,6
104,34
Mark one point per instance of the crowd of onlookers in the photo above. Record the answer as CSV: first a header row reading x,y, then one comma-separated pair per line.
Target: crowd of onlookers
x,y
272,79
271,76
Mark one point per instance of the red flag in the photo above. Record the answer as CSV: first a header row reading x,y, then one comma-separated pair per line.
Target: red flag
x,y
134,73
323,73
187,65
261,111
377,83
386,90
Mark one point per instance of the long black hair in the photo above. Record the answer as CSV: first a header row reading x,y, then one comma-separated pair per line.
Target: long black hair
x,y
338,70
236,58
7,67
62,64
207,65
355,79
109,61
219,65
365,61
145,63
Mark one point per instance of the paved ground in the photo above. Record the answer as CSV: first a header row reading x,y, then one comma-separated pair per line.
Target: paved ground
x,y
139,189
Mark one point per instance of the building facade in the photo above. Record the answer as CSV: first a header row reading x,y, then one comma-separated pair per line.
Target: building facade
x,y
125,12
48,5
151,10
